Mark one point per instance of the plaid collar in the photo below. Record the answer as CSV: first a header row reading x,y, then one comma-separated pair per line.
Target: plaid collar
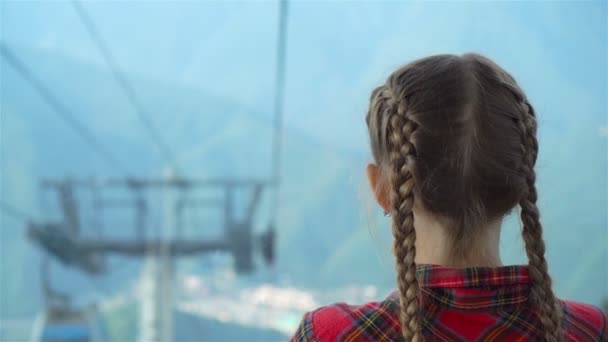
x,y
471,288
441,276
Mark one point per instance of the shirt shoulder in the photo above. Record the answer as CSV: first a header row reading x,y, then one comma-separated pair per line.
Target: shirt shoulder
x,y
584,322
371,321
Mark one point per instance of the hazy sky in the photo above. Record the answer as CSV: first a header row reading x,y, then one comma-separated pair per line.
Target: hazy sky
x,y
337,51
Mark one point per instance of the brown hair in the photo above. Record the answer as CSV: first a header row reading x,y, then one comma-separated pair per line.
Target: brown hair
x,y
458,135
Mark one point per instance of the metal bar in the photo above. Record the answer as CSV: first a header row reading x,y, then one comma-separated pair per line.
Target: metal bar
x,y
138,248
183,183
253,204
118,203
69,209
197,202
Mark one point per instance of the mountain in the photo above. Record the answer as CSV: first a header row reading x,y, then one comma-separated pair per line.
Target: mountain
x,y
213,137
324,236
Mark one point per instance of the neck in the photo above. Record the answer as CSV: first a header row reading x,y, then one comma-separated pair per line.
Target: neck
x,y
434,246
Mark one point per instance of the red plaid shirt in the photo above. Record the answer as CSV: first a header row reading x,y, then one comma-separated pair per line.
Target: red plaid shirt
x,y
470,304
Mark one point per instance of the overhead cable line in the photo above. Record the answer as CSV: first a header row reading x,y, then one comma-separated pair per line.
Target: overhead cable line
x,y
59,107
279,101
124,83
15,213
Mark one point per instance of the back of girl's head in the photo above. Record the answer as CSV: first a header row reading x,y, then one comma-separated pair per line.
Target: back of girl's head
x,y
456,136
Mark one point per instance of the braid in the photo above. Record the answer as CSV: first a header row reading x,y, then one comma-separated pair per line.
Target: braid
x,y
542,295
448,118
401,157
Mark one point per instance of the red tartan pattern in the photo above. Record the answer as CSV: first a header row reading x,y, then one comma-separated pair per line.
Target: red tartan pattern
x,y
469,304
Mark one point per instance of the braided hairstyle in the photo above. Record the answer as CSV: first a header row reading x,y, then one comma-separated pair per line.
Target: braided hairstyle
x,y
456,136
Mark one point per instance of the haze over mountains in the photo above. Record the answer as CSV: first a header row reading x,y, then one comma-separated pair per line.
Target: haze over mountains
x,y
205,75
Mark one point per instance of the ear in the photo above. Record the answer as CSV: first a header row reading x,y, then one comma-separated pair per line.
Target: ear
x,y
379,186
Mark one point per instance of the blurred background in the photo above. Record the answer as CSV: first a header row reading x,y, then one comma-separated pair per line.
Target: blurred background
x,y
193,171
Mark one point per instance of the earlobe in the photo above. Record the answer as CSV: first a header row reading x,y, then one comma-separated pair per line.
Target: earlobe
x,y
372,176
378,186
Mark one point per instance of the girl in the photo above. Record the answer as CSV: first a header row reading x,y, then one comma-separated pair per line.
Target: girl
x,y
454,144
